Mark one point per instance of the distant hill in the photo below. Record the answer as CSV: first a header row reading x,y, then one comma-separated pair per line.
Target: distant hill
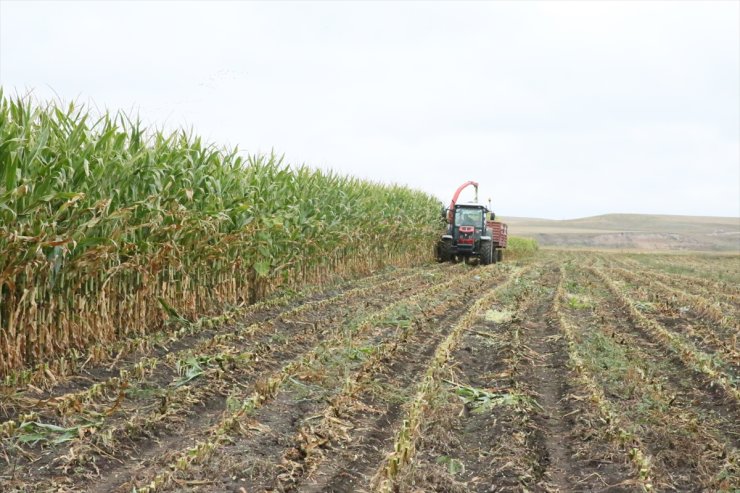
x,y
633,231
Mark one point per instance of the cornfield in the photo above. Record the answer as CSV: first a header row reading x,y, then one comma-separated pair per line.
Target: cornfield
x,y
108,229
141,351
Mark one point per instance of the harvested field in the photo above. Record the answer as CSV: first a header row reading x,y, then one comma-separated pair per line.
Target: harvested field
x,y
560,372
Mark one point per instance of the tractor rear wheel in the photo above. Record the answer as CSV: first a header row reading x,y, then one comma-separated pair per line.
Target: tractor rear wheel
x,y
487,255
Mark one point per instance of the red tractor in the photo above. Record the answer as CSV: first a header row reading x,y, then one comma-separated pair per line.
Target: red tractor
x,y
471,232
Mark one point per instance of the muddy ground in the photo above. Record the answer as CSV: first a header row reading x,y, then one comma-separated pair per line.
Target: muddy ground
x,y
563,372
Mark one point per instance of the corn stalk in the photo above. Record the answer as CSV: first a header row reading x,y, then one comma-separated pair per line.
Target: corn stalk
x,y
101,218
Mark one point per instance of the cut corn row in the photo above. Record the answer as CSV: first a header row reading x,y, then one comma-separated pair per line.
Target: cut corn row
x,y
680,417
712,310
350,389
180,397
407,436
9,428
100,220
219,433
686,351
726,346
77,400
721,288
637,455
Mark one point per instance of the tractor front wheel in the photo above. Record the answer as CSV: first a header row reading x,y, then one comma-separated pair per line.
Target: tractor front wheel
x,y
487,255
444,251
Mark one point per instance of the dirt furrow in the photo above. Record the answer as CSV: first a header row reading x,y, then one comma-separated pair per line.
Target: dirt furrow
x,y
374,414
689,387
725,294
714,369
697,316
458,440
266,390
717,272
716,340
75,390
689,429
545,378
174,406
520,425
357,426
325,381
566,372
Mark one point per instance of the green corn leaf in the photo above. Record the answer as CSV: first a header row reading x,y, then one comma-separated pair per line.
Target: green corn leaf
x,y
262,268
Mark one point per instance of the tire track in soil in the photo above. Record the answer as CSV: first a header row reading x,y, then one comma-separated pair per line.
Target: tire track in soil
x,y
278,452
566,463
349,468
515,446
705,332
544,375
138,464
726,293
205,410
705,432
692,392
351,471
547,375
486,358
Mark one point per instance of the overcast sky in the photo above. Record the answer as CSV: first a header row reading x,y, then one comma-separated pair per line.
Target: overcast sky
x,y
558,109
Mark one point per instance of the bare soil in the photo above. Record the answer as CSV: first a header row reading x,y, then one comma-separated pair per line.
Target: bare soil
x,y
312,394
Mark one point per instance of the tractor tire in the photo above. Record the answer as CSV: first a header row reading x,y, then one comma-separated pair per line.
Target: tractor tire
x,y
444,251
500,255
487,253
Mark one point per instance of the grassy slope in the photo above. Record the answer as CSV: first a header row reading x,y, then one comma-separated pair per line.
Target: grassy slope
x,y
634,231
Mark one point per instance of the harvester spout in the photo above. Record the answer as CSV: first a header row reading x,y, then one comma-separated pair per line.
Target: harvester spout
x,y
462,187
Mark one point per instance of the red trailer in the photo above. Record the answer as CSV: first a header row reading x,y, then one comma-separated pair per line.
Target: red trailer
x,y
499,237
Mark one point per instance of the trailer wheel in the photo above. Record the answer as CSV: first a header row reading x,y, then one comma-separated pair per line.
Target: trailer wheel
x,y
487,255
500,254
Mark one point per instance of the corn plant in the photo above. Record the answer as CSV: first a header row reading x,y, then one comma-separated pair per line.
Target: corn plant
x,y
107,228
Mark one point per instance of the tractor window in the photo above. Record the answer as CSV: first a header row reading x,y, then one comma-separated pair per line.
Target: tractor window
x,y
469,217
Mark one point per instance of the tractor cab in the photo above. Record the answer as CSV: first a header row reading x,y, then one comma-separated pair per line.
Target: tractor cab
x,y
468,225
472,232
